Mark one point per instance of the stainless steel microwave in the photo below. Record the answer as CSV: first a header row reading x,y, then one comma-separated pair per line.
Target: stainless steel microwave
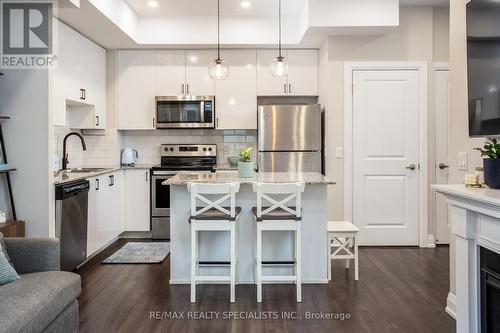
x,y
185,112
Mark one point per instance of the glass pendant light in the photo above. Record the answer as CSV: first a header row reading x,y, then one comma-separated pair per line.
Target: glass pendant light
x,y
279,65
218,70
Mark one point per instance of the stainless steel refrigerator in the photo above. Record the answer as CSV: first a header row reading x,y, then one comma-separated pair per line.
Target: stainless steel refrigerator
x,y
290,138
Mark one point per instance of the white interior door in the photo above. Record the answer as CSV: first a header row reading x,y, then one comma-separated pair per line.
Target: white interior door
x,y
385,156
441,94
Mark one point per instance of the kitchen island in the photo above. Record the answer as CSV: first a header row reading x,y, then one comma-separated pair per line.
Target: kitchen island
x,y
277,246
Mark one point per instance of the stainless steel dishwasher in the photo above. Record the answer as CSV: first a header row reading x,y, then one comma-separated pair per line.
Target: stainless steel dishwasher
x,y
71,222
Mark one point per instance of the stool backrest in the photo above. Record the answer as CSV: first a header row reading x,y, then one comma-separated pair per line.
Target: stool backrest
x,y
266,191
225,191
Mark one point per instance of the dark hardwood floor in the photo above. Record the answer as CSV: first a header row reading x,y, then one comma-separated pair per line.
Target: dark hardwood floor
x,y
400,290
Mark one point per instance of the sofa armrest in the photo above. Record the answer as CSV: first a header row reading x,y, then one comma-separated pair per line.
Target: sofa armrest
x,y
33,255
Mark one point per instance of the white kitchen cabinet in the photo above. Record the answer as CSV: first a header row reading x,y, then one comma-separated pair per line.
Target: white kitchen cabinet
x,y
136,89
170,72
79,88
105,210
302,72
302,78
137,200
112,223
198,82
236,96
267,84
92,218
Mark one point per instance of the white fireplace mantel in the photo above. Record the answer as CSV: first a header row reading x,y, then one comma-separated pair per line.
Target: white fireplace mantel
x,y
475,221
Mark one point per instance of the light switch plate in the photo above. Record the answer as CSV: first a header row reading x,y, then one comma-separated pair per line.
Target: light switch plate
x,y
463,161
339,152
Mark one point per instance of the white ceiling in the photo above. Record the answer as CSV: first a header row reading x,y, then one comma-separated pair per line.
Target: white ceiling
x,y
209,7
436,3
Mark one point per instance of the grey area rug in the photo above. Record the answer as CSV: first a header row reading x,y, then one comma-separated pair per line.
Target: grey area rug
x,y
140,253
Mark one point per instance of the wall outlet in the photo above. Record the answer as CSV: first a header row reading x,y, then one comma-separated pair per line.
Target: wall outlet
x,y
463,161
339,152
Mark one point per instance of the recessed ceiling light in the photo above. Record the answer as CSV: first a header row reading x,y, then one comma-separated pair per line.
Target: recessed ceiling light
x,y
245,4
153,4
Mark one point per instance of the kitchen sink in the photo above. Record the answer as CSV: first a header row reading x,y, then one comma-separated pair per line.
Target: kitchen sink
x,y
86,170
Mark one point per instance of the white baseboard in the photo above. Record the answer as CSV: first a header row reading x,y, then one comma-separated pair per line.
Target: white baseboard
x,y
430,242
182,281
451,306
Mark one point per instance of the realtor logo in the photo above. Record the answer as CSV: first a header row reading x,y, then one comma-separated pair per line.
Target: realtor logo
x,y
27,34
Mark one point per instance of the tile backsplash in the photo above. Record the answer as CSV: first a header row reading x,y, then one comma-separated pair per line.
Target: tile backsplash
x,y
104,150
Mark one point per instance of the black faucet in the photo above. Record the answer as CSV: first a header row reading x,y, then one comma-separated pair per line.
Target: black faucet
x,y
65,155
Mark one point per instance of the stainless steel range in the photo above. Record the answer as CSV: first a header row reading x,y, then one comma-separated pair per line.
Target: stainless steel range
x,y
175,159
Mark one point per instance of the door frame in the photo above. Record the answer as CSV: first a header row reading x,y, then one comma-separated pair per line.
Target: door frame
x,y
423,186
437,67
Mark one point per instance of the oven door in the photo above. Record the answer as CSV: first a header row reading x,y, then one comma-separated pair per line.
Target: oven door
x,y
173,112
160,194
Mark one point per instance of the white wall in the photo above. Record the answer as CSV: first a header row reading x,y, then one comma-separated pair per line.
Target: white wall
x,y
24,97
414,40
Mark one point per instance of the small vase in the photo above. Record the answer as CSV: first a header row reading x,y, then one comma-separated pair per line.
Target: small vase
x,y
245,169
492,172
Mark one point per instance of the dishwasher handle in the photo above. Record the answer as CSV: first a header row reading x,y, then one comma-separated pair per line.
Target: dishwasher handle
x,y
66,191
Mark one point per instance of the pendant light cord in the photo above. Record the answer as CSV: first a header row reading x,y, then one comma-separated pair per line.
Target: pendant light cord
x,y
218,29
279,28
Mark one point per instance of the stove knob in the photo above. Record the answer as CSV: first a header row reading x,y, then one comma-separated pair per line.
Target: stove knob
x,y
204,149
209,149
166,149
171,149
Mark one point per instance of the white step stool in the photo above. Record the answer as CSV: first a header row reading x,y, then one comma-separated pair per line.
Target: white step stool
x,y
342,244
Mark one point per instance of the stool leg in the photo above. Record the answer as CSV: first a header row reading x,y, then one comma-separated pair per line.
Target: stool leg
x,y
329,258
194,251
298,262
348,244
233,263
259,264
356,260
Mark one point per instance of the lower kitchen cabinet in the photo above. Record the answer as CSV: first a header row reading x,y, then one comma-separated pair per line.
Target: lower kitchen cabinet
x,y
105,210
137,200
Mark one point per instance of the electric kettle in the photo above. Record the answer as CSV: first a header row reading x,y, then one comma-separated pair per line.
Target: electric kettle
x,y
129,156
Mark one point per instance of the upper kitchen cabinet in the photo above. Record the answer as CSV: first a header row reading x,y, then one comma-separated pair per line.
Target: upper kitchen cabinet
x,y
198,82
170,73
267,84
236,96
302,72
79,88
136,89
302,79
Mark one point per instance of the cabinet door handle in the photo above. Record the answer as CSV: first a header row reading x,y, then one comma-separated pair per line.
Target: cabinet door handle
x,y
289,88
182,88
147,176
217,122
187,88
111,180
97,184
97,120
154,122
81,94
284,88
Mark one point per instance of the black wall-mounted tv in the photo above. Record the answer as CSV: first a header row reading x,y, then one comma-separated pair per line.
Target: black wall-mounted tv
x,y
483,67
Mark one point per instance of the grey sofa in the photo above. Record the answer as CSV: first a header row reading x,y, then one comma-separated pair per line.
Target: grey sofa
x,y
43,299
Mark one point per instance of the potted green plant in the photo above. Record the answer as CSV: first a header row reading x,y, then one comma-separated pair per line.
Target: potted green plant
x,y
491,162
245,165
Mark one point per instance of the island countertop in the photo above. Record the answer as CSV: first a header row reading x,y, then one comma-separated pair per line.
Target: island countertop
x,y
309,178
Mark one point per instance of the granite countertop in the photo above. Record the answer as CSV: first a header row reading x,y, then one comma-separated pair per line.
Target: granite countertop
x,y
484,195
310,178
67,177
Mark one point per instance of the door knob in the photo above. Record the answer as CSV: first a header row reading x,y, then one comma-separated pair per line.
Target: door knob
x,y
411,167
443,166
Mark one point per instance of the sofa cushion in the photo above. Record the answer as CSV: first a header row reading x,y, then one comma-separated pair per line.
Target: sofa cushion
x,y
36,299
7,272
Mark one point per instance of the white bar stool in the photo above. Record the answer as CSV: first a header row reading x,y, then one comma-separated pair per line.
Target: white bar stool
x,y
213,217
342,244
278,217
